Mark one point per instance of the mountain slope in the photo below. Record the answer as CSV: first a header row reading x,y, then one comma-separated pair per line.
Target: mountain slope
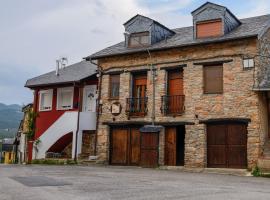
x,y
10,117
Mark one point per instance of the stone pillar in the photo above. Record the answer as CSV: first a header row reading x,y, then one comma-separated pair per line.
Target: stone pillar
x,y
195,146
161,147
103,144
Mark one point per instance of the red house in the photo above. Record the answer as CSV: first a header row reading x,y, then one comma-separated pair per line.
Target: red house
x,y
65,106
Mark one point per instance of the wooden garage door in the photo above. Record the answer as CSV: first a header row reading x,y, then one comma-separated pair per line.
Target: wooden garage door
x,y
149,149
227,146
125,146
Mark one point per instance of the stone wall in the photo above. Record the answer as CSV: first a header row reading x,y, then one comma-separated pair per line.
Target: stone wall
x,y
237,101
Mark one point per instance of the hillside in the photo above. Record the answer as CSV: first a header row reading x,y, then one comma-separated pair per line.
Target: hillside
x,y
10,117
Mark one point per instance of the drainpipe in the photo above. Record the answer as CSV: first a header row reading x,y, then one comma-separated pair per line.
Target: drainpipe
x,y
98,101
78,125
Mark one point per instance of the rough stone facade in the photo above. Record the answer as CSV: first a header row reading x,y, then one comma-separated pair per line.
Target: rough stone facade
x,y
237,101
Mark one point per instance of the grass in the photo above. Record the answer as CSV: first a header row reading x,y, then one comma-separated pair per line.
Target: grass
x,y
257,172
54,162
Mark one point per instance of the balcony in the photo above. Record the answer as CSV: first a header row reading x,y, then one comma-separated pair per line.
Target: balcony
x,y
137,106
173,105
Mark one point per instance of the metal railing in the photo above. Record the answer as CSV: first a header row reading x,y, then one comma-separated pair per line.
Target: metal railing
x,y
173,105
137,106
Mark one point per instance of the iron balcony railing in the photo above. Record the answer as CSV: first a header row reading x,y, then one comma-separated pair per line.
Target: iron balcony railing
x,y
137,106
173,105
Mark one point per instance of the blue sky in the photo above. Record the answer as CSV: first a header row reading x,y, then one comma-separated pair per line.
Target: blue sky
x,y
35,33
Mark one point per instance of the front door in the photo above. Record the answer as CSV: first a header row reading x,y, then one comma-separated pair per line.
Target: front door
x,y
149,149
170,146
175,146
89,99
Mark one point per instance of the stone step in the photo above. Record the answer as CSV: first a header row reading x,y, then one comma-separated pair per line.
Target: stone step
x,y
264,164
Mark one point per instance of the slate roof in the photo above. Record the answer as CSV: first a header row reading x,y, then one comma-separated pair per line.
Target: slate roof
x,y
250,27
69,74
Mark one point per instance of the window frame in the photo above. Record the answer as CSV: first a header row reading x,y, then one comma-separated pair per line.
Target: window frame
x,y
110,87
204,79
139,35
59,90
41,92
248,59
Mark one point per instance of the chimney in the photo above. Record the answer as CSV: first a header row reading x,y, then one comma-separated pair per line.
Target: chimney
x,y
57,67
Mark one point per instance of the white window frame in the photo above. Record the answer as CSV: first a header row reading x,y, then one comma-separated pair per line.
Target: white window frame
x,y
50,92
59,90
248,63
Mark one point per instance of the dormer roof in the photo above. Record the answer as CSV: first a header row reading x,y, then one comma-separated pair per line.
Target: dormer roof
x,y
145,24
215,6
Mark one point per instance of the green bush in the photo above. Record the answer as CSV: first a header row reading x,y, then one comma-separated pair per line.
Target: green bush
x,y
256,172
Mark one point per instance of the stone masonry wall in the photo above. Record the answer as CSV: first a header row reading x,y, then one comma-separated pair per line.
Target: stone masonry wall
x,y
237,101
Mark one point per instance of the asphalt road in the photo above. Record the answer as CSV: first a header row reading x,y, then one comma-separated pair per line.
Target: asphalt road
x,y
85,183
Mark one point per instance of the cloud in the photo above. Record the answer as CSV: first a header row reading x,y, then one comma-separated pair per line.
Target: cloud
x,y
258,7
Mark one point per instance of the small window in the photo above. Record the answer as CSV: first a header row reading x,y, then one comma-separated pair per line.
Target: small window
x,y
207,29
248,63
65,98
114,86
139,39
213,79
45,100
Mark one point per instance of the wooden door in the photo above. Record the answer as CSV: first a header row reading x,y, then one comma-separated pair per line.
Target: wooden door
x,y
237,146
139,94
216,146
170,146
149,149
119,146
227,146
135,146
175,90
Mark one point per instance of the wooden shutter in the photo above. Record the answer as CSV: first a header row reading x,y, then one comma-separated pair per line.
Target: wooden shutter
x,y
209,29
213,79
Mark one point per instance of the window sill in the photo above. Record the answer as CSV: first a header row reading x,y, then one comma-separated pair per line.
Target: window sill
x,y
45,110
64,109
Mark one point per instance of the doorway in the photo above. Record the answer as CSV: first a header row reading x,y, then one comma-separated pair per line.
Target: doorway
x,y
89,98
175,146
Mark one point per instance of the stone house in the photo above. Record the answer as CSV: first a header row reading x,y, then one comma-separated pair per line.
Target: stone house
x,y
202,86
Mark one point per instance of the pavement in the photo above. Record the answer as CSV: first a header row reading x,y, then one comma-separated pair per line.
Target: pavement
x,y
40,182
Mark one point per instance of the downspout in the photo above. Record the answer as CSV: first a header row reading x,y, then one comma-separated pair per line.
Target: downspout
x,y
98,101
78,124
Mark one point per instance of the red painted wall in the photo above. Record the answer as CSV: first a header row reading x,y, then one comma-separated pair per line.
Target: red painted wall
x,y
46,118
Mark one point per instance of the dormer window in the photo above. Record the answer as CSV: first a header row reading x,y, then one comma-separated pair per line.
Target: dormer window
x,y
211,28
139,39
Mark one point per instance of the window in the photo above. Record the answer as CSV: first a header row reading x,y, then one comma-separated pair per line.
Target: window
x,y
248,63
139,39
213,79
45,100
114,86
209,29
64,98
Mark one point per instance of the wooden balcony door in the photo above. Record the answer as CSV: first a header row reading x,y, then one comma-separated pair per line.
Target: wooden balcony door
x,y
139,93
175,90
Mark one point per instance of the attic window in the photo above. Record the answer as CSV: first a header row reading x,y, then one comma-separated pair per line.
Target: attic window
x,y
139,39
210,28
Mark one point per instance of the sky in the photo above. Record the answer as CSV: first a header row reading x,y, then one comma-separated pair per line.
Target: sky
x,y
33,34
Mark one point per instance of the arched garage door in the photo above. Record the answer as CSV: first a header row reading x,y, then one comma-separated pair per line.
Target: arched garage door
x,y
227,145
